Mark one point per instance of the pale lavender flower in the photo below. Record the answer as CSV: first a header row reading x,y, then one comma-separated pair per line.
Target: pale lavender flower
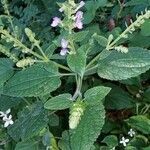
x,y
63,51
8,121
78,20
79,15
81,4
124,141
55,22
64,45
79,24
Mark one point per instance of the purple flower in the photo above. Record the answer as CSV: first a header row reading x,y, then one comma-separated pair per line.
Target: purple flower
x,y
64,45
63,51
78,20
55,22
79,15
79,24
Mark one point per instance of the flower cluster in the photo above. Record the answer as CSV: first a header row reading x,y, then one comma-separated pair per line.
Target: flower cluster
x,y
73,19
77,18
124,141
6,118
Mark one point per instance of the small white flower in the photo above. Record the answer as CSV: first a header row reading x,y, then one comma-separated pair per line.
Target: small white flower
x,y
8,121
3,114
113,148
124,141
131,133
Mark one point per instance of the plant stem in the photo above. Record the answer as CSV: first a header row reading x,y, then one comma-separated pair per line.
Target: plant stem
x,y
93,61
62,67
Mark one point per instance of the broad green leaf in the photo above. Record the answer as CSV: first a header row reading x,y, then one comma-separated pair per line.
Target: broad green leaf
x,y
6,69
77,62
119,66
27,145
59,102
118,99
96,94
141,123
145,28
29,123
89,127
7,102
37,80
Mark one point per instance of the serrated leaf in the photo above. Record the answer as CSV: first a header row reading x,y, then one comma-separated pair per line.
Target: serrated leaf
x,y
29,123
94,95
37,80
27,145
89,128
77,62
141,123
6,69
119,66
7,102
59,102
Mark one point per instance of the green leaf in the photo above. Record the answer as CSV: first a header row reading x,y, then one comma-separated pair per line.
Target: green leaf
x,y
79,36
145,28
27,145
96,94
101,40
7,102
89,127
141,123
111,141
77,62
118,99
6,69
92,121
29,123
119,66
59,102
64,142
37,80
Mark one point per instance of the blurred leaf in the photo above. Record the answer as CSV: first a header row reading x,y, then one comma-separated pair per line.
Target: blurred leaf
x,y
141,123
118,99
145,28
